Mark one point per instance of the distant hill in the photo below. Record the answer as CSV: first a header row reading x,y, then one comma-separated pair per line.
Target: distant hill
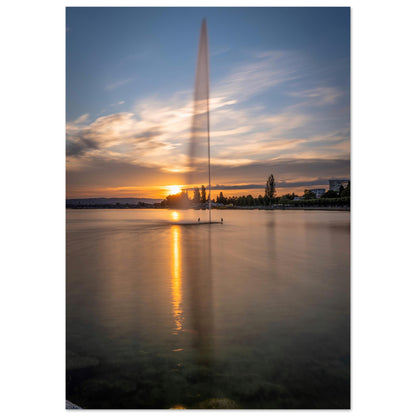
x,y
110,201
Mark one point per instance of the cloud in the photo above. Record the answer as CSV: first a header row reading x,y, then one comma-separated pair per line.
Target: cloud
x,y
319,96
279,184
80,146
266,70
81,119
117,84
285,170
115,136
117,104
250,137
219,51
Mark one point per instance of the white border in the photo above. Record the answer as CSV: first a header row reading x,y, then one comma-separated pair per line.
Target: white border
x,y
32,204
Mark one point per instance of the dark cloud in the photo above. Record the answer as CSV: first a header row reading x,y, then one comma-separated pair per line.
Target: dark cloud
x,y
80,145
281,184
286,171
119,128
109,172
235,187
113,173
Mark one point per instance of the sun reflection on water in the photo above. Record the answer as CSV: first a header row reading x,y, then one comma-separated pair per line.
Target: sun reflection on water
x,y
174,215
176,281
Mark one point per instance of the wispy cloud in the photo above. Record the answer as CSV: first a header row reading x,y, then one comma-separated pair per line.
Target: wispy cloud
x,y
319,96
219,51
81,119
266,70
118,84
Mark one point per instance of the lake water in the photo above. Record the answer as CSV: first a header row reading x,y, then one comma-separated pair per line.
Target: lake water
x,y
251,313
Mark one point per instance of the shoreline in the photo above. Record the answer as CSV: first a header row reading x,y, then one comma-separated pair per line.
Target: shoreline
x,y
317,208
227,208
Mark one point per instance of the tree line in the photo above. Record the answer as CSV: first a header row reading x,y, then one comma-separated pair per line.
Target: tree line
x,y
268,199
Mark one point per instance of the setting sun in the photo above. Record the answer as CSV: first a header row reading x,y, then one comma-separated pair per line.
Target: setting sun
x,y
174,189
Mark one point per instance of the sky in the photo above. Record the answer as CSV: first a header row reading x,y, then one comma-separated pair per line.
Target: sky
x,y
279,99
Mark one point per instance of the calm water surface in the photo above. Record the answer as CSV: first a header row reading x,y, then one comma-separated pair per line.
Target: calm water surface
x,y
253,313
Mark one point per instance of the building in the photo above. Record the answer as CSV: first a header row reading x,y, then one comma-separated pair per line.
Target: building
x,y
335,184
318,191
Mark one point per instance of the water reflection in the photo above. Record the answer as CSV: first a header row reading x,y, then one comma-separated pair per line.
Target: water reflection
x,y
176,280
199,280
191,288
174,215
140,325
271,240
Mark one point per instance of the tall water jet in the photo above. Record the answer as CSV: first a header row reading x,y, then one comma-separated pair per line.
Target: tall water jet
x,y
200,119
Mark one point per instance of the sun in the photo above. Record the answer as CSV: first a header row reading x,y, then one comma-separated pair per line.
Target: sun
x,y
174,189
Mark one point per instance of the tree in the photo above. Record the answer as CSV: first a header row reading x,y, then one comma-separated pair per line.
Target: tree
x,y
285,199
197,196
309,194
270,189
221,199
203,194
330,194
346,191
291,196
250,200
177,200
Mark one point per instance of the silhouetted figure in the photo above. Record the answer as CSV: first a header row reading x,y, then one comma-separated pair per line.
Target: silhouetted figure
x,y
199,219
222,220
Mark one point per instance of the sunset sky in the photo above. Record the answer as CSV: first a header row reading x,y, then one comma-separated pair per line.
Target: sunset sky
x,y
280,98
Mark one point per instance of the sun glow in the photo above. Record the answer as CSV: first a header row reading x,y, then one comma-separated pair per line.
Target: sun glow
x,y
174,189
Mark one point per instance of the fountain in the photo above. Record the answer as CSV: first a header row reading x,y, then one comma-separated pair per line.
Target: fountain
x,y
200,119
